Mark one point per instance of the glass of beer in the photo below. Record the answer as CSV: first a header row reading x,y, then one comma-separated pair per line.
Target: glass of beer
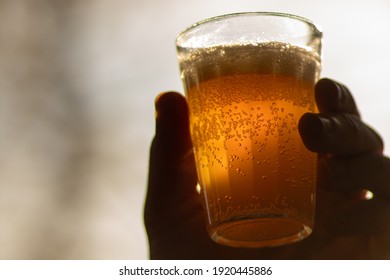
x,y
248,78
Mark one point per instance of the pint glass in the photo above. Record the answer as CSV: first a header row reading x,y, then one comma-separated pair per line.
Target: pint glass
x,y
248,79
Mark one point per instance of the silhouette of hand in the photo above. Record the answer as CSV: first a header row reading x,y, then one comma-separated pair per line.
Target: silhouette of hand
x,y
348,225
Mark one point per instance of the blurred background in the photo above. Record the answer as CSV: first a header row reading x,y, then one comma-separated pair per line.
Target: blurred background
x,y
77,85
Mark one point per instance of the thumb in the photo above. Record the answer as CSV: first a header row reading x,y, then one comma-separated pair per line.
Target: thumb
x,y
172,137
172,172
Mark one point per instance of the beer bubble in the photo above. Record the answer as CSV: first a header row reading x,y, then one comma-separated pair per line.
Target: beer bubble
x,y
221,120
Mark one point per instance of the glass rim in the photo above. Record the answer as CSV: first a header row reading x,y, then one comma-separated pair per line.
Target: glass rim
x,y
316,28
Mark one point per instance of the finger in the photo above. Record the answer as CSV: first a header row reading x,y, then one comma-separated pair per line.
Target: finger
x,y
338,134
172,173
338,129
172,137
370,217
334,97
367,171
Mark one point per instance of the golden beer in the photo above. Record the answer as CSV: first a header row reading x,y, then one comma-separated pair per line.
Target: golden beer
x,y
257,178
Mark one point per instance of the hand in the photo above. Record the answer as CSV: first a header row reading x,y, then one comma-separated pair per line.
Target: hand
x,y
351,161
348,226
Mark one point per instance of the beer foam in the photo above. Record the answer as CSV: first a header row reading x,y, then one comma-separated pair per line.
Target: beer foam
x,y
198,65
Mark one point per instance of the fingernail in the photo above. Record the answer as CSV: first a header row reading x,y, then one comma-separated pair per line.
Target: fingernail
x,y
162,104
169,110
310,125
328,94
328,86
312,128
172,124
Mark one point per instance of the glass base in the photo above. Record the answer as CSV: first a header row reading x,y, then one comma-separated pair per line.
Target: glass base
x,y
260,232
